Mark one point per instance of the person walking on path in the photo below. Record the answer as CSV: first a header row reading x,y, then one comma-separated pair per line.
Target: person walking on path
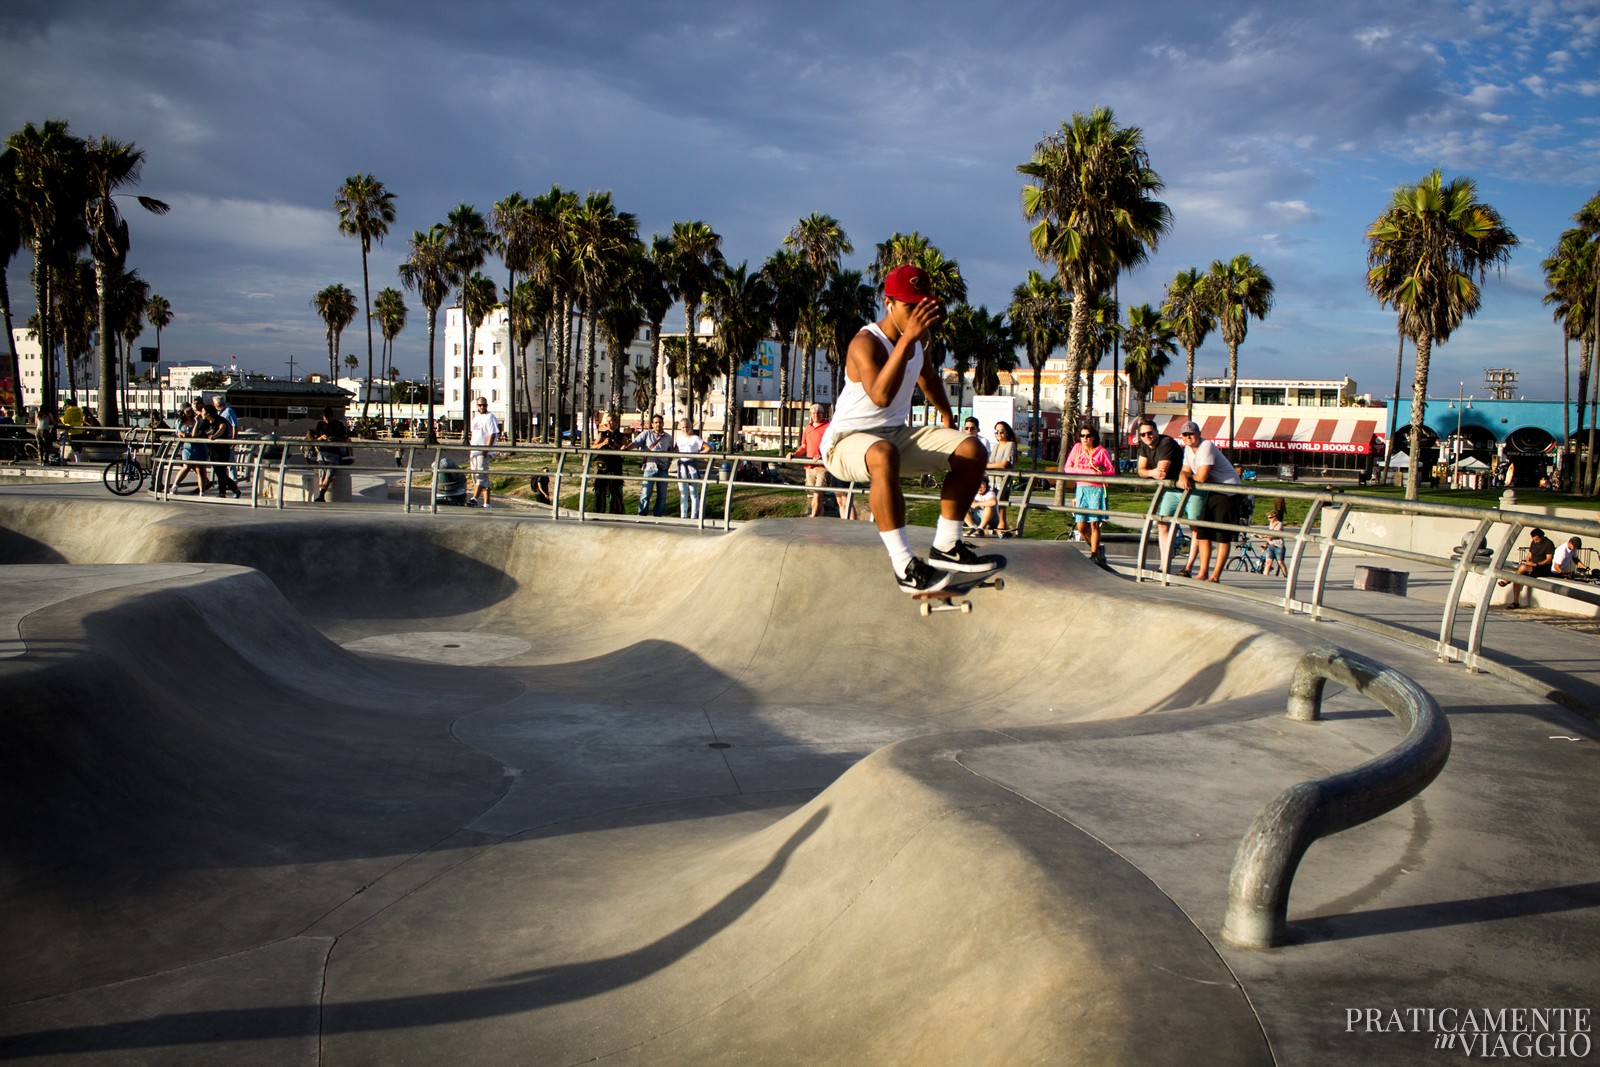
x,y
485,433
869,439
1088,456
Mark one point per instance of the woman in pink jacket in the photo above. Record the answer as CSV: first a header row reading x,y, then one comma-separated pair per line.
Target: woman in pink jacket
x,y
1089,457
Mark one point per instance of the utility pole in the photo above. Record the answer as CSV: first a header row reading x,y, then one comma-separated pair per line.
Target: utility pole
x,y
1501,382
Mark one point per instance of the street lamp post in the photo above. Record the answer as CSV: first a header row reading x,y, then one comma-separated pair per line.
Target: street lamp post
x,y
1461,405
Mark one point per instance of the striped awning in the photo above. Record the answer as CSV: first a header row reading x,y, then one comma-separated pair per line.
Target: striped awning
x,y
1348,434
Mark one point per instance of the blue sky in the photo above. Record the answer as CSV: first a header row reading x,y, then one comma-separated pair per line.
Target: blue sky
x,y
1280,130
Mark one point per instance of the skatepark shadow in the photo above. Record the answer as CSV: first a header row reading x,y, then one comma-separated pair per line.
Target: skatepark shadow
x,y
1203,686
1412,917
518,993
17,547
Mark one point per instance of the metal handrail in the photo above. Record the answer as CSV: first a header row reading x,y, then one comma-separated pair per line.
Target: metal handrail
x,y
1271,850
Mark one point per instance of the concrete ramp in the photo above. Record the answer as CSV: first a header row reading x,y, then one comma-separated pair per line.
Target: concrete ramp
x,y
660,818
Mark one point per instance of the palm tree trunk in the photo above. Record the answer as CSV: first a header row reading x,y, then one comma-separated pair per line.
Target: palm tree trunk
x,y
1188,392
1233,387
366,298
108,343
1566,411
1594,405
511,357
1394,408
41,302
11,345
1419,404
433,322
1038,417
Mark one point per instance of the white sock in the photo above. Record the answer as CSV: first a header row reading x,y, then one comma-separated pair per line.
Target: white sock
x,y
899,549
946,533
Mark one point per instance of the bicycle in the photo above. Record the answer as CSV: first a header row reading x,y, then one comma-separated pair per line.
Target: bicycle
x,y
1249,558
125,475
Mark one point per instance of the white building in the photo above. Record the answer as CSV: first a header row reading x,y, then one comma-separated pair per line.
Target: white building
x,y
489,375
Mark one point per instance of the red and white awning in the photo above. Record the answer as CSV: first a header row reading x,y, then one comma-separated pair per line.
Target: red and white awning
x,y
1350,434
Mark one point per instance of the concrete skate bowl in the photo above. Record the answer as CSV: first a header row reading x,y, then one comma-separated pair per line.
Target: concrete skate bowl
x,y
541,857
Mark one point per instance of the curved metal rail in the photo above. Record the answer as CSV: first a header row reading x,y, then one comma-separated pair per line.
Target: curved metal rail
x,y
1264,868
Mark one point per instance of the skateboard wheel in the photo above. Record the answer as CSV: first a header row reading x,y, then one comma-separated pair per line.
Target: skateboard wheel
x,y
999,583
966,607
926,609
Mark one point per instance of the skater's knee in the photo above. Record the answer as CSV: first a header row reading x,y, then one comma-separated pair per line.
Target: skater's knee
x,y
883,458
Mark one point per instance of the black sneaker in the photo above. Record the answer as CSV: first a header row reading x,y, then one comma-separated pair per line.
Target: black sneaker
x,y
921,578
961,557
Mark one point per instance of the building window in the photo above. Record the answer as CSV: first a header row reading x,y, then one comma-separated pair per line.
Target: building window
x,y
494,395
455,350
455,372
494,371
1270,397
495,348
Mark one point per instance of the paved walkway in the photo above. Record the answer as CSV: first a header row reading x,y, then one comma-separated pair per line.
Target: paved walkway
x,y
556,792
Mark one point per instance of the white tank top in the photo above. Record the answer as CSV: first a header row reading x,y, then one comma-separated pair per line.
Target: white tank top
x,y
855,409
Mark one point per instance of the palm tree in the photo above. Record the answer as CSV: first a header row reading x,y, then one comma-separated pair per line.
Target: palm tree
x,y
50,192
848,303
694,257
1092,204
514,221
741,302
336,304
470,244
429,271
529,307
390,311
72,318
1040,313
602,241
110,166
788,276
552,271
158,313
655,300
821,240
1150,344
479,297
1423,253
130,295
365,209
1187,307
1572,274
10,245
1104,332
1239,290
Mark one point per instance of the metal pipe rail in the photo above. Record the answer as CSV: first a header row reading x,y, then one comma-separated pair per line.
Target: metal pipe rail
x,y
1271,850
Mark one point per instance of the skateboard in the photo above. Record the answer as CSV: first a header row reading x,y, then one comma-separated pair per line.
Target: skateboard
x,y
959,584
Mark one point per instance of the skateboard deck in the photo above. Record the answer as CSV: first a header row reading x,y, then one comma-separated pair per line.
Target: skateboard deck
x,y
960,583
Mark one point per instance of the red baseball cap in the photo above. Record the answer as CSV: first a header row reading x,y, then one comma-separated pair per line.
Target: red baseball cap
x,y
907,284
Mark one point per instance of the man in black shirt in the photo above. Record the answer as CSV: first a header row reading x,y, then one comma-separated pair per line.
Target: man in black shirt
x,y
1160,457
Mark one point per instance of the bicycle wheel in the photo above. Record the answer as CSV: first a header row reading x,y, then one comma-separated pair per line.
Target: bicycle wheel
x,y
123,477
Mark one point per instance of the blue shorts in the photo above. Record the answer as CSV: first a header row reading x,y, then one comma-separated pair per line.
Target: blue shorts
x,y
1090,496
1168,504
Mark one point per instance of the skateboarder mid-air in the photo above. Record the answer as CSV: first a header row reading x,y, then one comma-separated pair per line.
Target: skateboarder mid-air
x,y
869,441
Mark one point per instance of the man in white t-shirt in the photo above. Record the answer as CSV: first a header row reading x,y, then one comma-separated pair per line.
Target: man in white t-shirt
x,y
869,439
485,431
1204,464
1565,563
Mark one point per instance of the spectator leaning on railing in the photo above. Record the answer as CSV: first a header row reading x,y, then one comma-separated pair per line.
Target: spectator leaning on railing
x,y
1204,464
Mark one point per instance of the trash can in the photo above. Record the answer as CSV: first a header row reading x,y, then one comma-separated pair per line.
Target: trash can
x,y
1286,472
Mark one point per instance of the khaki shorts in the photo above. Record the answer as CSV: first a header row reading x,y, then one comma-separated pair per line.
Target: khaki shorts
x,y
923,450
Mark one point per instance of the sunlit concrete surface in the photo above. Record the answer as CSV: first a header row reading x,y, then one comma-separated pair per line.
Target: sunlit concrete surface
x,y
363,787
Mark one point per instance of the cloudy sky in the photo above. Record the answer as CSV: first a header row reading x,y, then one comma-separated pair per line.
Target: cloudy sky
x,y
1280,130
